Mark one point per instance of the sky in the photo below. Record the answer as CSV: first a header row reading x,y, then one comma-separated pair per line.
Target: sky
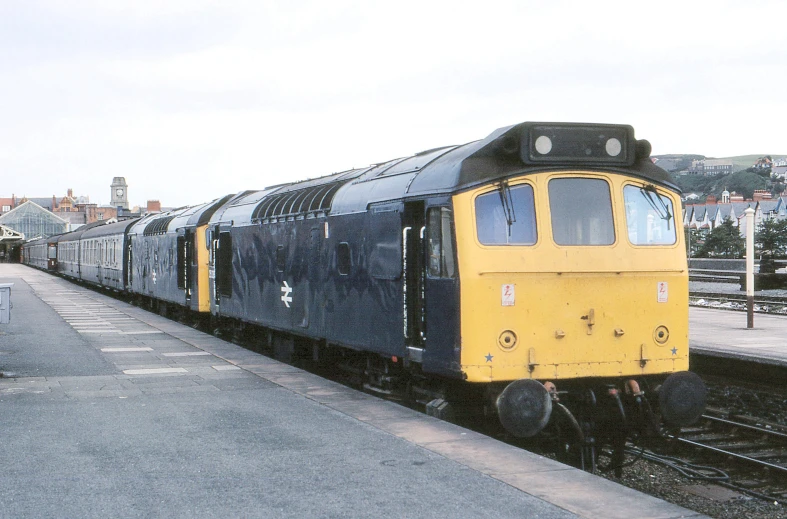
x,y
190,100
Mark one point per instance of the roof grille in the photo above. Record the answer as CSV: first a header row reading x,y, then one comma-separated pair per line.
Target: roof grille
x,y
157,226
300,202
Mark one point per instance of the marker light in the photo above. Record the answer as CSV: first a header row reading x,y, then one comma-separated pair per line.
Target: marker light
x,y
543,145
614,147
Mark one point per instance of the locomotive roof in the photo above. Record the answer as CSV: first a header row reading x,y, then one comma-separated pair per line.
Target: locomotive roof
x,y
443,170
457,168
190,216
77,233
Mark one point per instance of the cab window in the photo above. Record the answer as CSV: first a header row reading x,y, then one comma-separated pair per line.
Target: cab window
x,y
506,216
581,210
650,217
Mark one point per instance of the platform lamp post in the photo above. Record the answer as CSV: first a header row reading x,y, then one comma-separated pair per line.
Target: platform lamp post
x,y
749,215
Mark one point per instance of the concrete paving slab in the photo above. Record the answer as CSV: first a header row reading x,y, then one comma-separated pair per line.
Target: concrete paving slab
x,y
724,333
493,457
583,495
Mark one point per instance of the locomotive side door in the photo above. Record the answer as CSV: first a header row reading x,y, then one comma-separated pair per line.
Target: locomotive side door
x,y
185,245
441,290
222,260
413,275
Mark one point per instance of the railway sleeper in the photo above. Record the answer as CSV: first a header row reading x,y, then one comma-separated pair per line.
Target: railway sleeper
x,y
739,446
766,455
707,437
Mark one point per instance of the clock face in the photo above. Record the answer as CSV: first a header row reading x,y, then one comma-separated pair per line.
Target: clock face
x,y
119,192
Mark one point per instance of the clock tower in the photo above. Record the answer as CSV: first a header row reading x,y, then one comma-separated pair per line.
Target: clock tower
x,y
119,192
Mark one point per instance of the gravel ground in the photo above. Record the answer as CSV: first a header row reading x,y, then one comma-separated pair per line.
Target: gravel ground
x,y
713,500
708,498
765,402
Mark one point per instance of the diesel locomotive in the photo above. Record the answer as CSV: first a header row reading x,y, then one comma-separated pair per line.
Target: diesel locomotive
x,y
538,272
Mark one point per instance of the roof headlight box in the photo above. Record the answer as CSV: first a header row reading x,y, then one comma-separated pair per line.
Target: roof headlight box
x,y
576,143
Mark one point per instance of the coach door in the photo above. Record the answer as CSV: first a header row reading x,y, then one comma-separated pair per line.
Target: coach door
x,y
414,325
129,263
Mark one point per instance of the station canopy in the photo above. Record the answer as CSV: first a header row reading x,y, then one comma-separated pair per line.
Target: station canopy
x,y
33,221
9,235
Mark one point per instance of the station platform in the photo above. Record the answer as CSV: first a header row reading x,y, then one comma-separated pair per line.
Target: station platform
x,y
723,334
109,410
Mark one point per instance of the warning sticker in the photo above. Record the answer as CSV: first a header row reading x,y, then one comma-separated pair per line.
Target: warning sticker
x,y
662,291
508,295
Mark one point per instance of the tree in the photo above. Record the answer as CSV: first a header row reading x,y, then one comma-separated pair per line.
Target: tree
x,y
770,240
724,241
694,241
771,237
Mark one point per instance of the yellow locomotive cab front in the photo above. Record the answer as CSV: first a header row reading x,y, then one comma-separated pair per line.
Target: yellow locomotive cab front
x,y
571,275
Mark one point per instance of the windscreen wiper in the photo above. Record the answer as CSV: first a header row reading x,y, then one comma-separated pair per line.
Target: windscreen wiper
x,y
657,203
508,203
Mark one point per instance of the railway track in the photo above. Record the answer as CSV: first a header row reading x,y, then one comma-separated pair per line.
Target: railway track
x,y
740,452
724,301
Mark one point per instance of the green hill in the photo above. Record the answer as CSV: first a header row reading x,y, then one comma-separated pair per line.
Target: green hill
x,y
742,162
679,162
743,180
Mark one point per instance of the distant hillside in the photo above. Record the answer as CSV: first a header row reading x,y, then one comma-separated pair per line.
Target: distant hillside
x,y
679,162
742,182
675,163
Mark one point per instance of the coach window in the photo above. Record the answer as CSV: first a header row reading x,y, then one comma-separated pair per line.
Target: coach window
x,y
439,242
506,216
581,210
650,217
343,259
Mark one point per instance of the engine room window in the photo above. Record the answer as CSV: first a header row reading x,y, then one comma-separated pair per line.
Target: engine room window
x,y
439,243
506,216
182,266
650,217
384,246
281,258
343,258
581,211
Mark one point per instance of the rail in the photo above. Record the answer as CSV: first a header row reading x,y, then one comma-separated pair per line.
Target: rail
x,y
746,453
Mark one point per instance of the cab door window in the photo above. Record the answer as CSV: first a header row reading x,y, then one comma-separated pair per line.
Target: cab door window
x,y
440,247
